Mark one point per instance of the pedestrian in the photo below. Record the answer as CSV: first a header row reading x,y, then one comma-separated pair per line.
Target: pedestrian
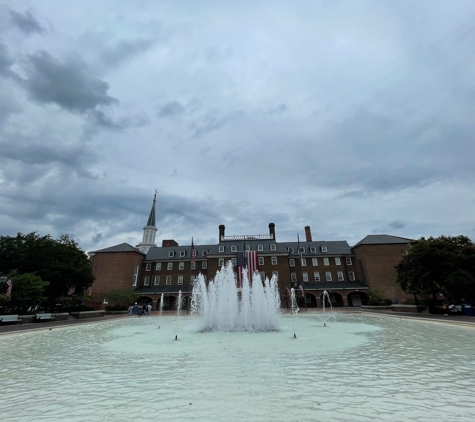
x,y
149,308
131,309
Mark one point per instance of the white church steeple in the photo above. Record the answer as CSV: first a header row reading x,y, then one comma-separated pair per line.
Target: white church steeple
x,y
149,231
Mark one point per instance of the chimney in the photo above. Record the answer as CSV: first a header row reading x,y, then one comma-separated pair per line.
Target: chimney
x,y
221,232
308,233
272,230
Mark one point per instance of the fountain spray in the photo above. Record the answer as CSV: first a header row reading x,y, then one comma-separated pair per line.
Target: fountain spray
x,y
294,308
178,312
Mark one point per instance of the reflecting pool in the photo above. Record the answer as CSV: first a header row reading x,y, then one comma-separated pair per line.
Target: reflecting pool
x,y
358,368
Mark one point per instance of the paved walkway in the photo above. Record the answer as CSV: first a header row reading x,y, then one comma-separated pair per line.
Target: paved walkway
x,y
452,319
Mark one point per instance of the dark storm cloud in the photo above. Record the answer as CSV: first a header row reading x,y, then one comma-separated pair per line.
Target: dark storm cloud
x,y
67,84
396,224
172,108
26,22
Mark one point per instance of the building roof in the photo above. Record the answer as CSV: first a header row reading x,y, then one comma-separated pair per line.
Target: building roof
x,y
382,239
151,217
183,252
123,247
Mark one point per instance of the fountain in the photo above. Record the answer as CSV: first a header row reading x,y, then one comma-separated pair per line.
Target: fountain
x,y
160,310
224,307
324,316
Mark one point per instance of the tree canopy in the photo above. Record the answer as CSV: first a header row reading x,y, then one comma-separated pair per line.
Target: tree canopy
x,y
59,262
445,264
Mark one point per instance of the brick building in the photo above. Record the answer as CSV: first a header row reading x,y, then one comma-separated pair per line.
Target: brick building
x,y
345,272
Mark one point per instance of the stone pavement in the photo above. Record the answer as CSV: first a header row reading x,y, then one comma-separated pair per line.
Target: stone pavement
x,y
452,319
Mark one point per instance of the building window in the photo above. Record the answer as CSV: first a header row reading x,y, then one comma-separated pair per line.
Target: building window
x,y
303,262
146,281
302,249
203,253
316,276
351,275
248,247
275,274
260,247
305,276
180,279
158,266
313,249
156,281
193,265
136,276
326,261
181,266
105,301
337,261
262,275
293,276
169,280
340,276
348,261
182,253
315,262
221,262
234,261
148,267
171,254
221,249
204,265
233,248
290,249
292,262
273,260
329,276
273,247
261,260
323,248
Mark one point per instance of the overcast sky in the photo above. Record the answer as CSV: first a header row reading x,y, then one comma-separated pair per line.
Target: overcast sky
x,y
352,117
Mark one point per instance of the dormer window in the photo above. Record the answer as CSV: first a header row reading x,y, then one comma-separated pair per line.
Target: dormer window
x,y
302,249
171,254
291,250
233,248
221,249
260,247
323,248
273,247
203,253
182,253
313,249
248,247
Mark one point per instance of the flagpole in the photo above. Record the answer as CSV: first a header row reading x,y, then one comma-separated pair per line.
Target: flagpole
x,y
301,272
192,260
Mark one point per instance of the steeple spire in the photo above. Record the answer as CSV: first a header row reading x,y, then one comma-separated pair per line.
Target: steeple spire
x,y
149,231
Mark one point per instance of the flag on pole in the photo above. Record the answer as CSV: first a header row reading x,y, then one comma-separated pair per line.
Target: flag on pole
x,y
302,290
10,286
193,252
71,290
251,263
241,263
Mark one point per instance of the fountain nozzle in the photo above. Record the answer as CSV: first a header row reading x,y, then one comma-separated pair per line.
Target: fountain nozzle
x,y
295,336
176,337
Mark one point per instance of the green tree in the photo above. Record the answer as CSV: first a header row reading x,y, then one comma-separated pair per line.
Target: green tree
x,y
28,289
122,297
60,261
445,264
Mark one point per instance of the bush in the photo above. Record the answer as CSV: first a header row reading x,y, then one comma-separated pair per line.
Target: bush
x,y
376,298
116,308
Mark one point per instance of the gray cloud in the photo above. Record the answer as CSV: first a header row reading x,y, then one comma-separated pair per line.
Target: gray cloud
x,y
172,108
396,224
125,50
67,84
26,22
6,61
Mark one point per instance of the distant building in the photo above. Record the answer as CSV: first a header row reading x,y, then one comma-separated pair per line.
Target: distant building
x,y
345,272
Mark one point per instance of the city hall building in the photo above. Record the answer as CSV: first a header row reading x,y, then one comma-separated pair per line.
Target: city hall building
x,y
309,266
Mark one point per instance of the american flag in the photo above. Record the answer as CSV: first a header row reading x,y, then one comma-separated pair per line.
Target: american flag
x,y
193,252
302,290
251,263
71,290
241,263
9,288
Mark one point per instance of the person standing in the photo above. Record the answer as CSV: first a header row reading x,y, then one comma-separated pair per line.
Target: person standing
x,y
149,308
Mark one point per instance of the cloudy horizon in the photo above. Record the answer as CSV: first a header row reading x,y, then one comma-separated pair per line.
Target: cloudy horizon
x,y
351,117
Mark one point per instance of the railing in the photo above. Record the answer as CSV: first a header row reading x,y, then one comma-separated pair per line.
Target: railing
x,y
248,237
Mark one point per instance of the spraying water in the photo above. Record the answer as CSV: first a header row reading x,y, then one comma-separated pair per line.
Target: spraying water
x,y
225,307
179,301
294,308
324,316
